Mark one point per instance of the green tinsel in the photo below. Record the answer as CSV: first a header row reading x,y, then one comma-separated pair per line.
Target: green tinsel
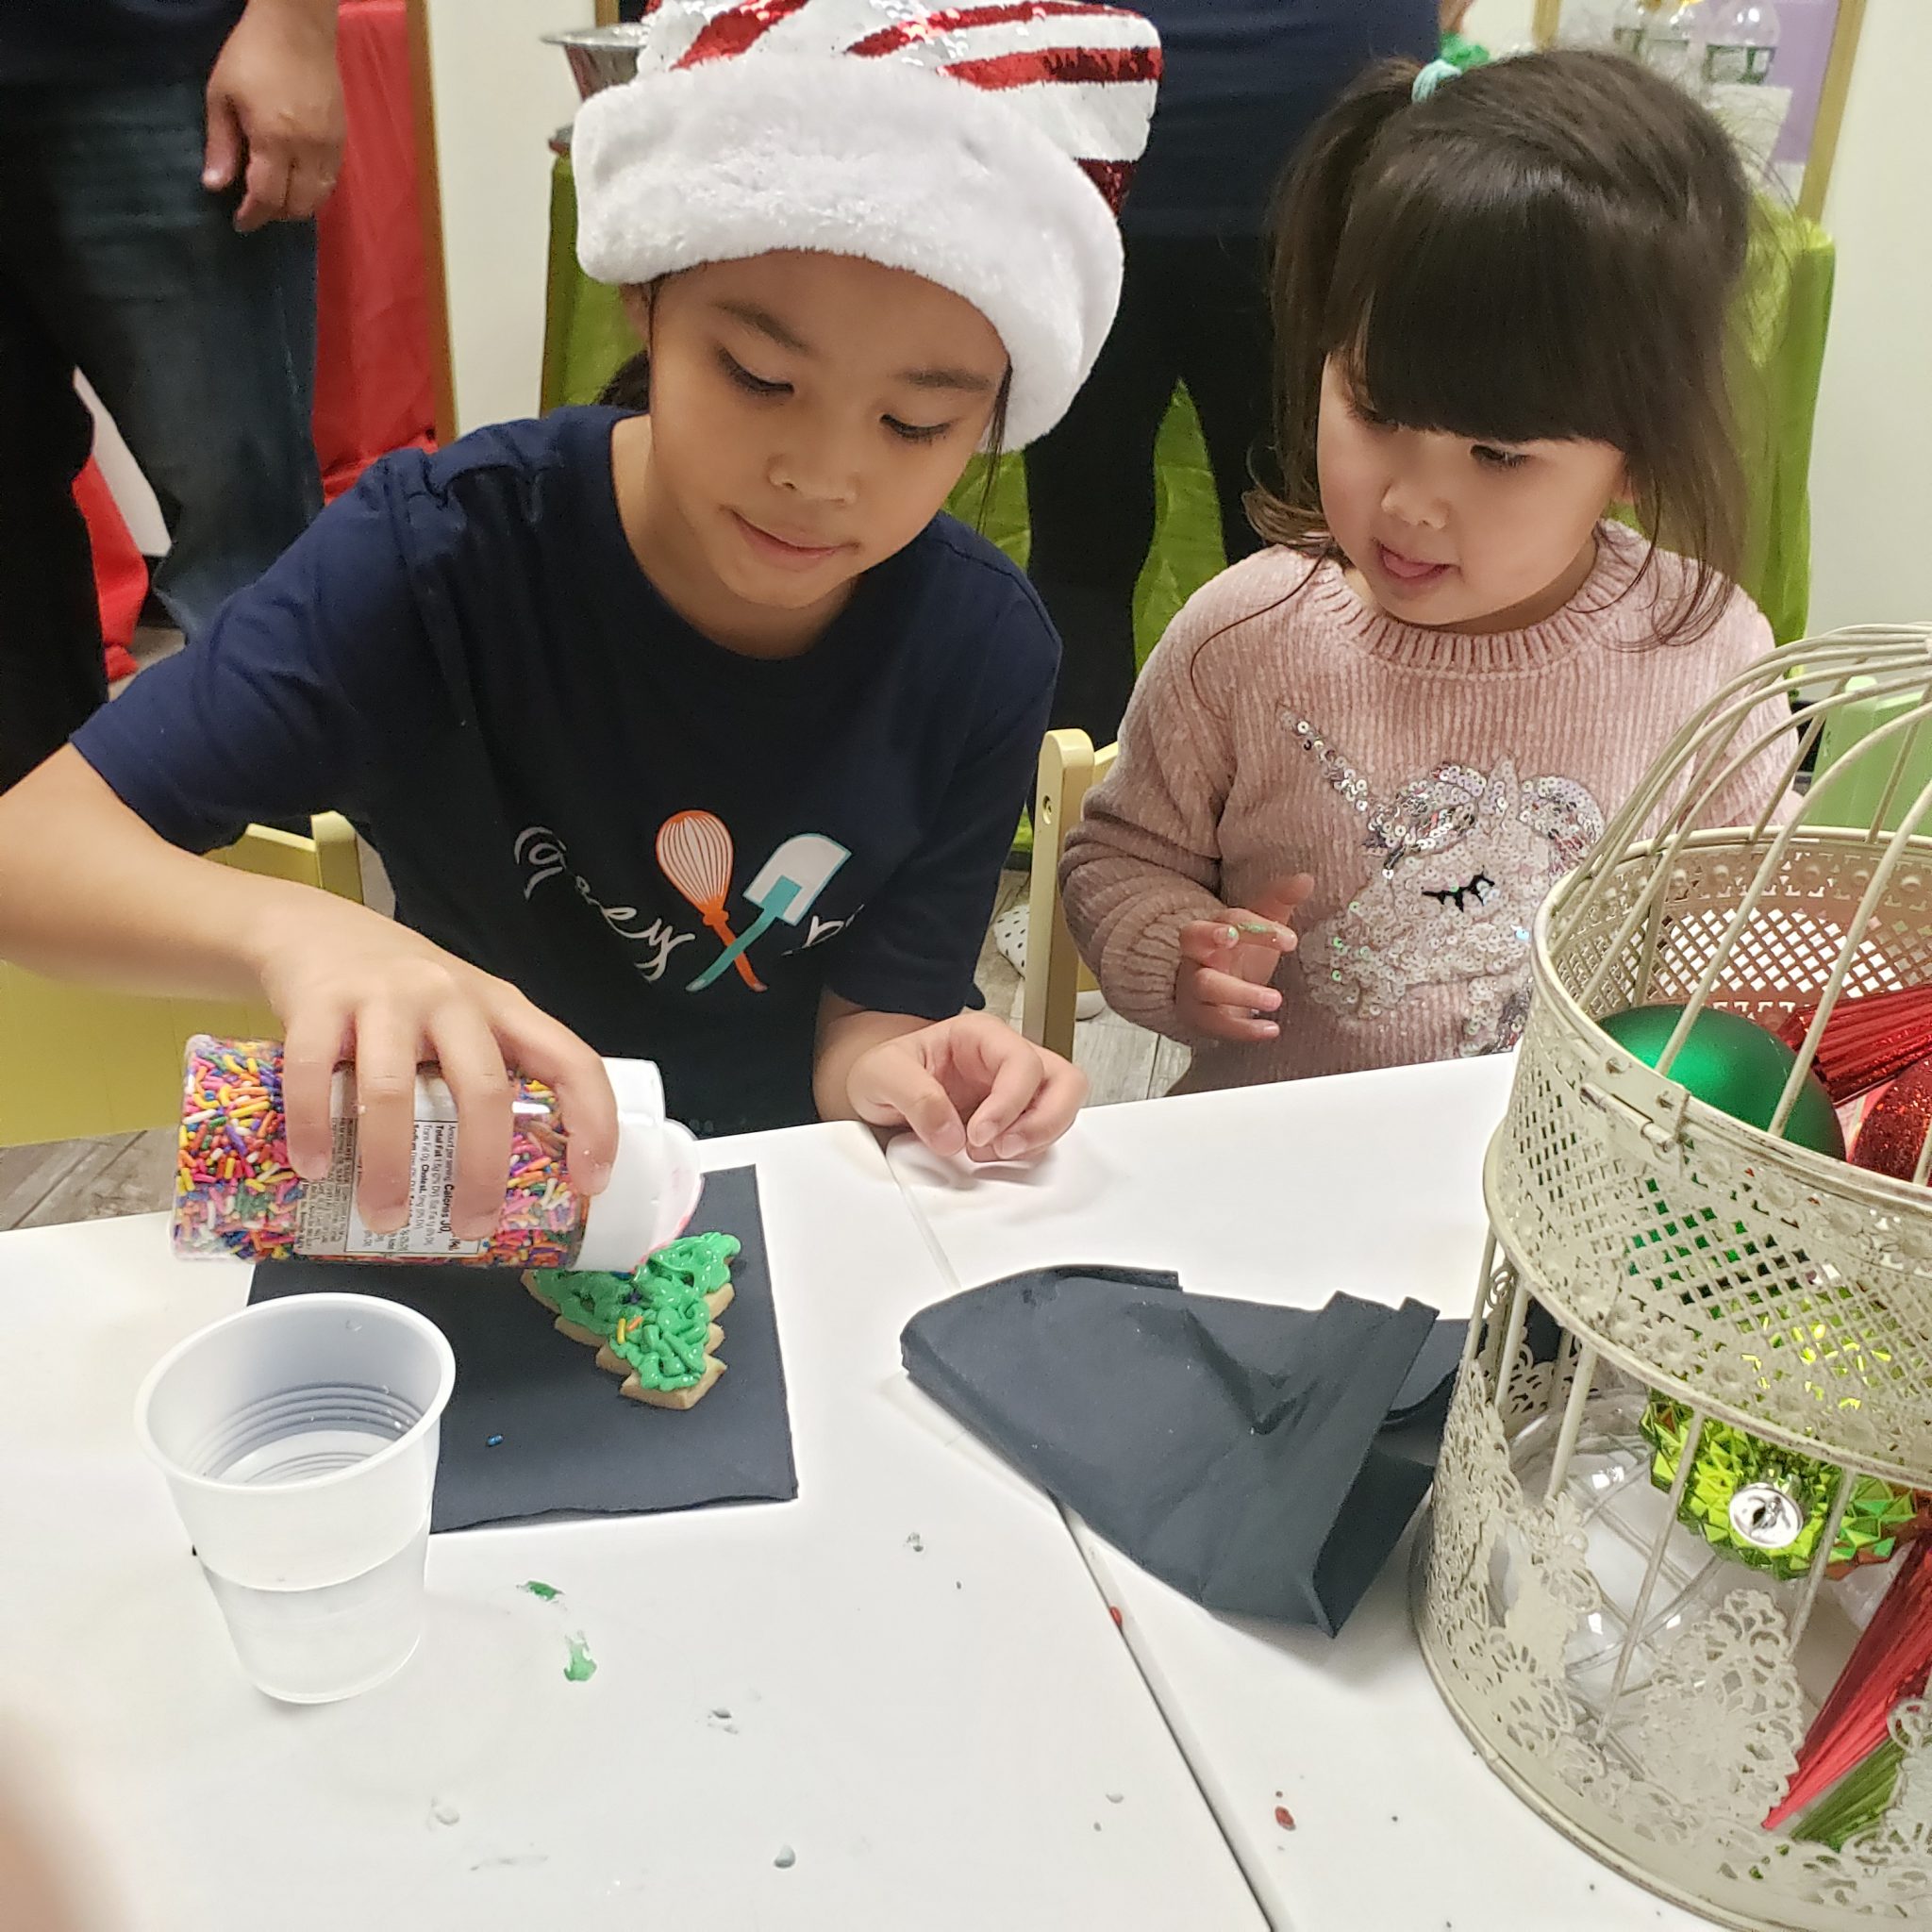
x,y
1856,1802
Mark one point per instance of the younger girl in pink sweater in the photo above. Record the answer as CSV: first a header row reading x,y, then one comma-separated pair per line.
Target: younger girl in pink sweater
x,y
1501,308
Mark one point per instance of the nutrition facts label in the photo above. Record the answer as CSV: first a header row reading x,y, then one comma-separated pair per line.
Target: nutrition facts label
x,y
330,1223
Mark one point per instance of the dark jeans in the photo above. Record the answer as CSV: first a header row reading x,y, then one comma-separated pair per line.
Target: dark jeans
x,y
114,259
1193,311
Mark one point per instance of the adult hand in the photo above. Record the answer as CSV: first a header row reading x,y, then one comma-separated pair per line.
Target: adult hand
x,y
969,1084
275,112
1221,990
352,986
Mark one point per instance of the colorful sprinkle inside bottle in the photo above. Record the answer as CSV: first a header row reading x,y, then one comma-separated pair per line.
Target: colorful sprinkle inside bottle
x,y
235,1193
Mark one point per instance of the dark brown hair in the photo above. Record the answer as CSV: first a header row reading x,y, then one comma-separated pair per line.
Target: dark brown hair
x,y
1545,248
630,388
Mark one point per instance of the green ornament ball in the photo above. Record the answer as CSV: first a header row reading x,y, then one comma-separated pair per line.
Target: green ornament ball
x,y
1733,1064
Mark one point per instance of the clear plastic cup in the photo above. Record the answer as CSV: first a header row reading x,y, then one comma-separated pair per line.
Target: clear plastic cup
x,y
299,1442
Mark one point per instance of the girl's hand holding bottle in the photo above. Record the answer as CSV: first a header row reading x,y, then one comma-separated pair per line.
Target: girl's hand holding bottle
x,y
1222,991
350,986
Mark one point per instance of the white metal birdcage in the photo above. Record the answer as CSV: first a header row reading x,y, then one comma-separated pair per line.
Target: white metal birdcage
x,y
1703,1354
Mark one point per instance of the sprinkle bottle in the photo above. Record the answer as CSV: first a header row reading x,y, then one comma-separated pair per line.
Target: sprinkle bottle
x,y
236,1195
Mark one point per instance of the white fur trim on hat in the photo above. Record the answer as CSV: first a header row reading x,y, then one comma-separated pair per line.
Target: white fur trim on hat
x,y
875,158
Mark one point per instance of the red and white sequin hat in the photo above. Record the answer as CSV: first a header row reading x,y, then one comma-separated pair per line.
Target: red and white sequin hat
x,y
985,147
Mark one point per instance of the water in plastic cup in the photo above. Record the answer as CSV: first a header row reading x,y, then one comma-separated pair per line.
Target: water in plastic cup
x,y
299,1440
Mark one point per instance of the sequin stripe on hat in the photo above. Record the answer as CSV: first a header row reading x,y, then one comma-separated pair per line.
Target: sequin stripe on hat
x,y
1113,179
1059,48
738,27
958,19
1062,66
1089,102
998,47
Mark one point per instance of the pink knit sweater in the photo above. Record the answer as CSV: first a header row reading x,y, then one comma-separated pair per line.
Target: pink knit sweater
x,y
1435,784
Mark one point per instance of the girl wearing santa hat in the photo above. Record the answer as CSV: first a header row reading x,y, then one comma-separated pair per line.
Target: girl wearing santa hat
x,y
693,732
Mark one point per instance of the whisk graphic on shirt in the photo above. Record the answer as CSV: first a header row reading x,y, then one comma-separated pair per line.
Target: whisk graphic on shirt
x,y
694,853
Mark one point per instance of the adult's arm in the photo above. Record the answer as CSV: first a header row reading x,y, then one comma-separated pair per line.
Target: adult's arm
x,y
275,112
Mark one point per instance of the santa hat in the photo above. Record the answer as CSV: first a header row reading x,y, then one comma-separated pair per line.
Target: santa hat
x,y
986,149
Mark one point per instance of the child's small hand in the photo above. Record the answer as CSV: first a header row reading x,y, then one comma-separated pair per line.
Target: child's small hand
x,y
351,986
1222,991
968,1084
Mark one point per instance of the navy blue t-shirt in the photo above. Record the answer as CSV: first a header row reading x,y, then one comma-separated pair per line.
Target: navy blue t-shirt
x,y
108,43
572,789
1244,81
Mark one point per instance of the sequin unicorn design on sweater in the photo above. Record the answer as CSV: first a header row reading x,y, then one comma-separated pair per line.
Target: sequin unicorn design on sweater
x,y
1462,859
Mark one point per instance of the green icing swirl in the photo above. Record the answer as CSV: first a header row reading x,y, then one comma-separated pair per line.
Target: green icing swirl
x,y
657,1320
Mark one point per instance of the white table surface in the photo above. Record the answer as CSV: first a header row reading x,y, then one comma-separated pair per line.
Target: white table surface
x,y
935,1733
1369,1184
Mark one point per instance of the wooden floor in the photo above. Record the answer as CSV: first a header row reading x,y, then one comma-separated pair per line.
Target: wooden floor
x,y
86,1180
131,1173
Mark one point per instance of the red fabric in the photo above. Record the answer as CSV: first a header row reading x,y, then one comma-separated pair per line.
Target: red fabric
x,y
120,569
373,389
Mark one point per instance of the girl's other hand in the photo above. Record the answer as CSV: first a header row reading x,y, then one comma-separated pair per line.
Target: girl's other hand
x,y
968,1084
1222,991
353,987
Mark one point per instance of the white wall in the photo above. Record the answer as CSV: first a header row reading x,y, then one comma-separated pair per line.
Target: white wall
x,y
500,94
1872,461
128,487
1501,24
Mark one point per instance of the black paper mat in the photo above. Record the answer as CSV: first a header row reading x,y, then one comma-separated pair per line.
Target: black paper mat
x,y
569,1441
1246,1454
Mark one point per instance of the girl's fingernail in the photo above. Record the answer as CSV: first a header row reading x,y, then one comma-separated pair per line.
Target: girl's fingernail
x,y
1230,936
1011,1148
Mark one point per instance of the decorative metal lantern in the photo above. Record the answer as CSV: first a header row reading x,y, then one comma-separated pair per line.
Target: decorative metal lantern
x,y
1678,1581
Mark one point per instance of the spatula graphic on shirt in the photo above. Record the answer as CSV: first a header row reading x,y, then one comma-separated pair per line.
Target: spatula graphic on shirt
x,y
694,853
786,888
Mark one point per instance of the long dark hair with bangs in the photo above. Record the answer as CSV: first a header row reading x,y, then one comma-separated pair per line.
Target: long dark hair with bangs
x,y
1545,248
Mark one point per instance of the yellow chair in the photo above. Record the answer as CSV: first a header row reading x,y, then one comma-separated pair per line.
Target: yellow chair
x,y
75,1062
1069,768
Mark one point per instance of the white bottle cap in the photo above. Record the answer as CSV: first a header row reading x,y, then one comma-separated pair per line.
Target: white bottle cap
x,y
655,1179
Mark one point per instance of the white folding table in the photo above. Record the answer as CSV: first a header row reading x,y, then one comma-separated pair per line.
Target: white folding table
x,y
1370,1184
932,1721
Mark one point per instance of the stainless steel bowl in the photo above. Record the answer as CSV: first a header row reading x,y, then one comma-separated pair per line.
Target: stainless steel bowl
x,y
601,57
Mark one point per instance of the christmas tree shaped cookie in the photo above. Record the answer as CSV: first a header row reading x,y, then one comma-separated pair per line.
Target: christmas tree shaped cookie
x,y
658,1327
